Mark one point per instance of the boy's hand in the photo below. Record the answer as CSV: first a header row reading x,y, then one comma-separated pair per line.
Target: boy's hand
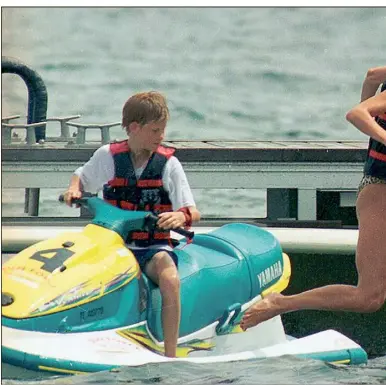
x,y
70,194
171,220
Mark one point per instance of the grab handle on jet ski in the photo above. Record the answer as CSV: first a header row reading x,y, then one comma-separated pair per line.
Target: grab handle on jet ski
x,y
185,233
179,230
80,200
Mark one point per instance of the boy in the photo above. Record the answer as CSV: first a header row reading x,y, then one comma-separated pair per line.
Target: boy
x,y
140,174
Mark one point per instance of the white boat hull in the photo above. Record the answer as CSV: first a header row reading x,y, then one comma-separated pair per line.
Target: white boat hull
x,y
89,351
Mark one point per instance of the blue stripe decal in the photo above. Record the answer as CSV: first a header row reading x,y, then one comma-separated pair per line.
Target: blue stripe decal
x,y
33,361
355,356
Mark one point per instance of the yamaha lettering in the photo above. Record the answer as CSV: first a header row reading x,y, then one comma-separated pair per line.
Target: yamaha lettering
x,y
269,274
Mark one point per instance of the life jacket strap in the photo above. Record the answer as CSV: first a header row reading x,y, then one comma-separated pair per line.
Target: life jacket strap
x,y
144,236
143,183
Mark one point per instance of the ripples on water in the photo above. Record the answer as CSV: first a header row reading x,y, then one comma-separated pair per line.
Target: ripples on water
x,y
239,73
228,73
285,370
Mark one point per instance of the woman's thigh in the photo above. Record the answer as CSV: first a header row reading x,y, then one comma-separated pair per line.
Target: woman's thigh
x,y
371,249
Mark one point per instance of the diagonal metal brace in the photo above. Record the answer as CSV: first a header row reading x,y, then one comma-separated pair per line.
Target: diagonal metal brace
x,y
104,128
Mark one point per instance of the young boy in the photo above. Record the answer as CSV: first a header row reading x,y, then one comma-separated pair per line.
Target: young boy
x,y
140,174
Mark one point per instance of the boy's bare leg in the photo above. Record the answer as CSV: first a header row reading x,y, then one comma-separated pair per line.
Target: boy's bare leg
x,y
370,292
162,271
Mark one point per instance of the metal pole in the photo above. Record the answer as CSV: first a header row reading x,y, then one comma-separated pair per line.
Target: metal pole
x,y
33,202
26,200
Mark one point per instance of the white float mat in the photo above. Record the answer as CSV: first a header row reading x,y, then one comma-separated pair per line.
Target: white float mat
x,y
109,348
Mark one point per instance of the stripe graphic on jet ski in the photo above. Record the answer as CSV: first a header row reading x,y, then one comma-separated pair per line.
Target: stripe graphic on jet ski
x,y
79,294
140,336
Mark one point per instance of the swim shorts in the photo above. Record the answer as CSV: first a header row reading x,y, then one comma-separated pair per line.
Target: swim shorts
x,y
144,255
368,179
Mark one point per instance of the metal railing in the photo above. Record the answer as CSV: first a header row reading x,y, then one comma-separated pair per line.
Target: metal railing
x,y
79,137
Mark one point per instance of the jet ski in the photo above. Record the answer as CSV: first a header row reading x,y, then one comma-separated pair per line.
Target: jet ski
x,y
79,302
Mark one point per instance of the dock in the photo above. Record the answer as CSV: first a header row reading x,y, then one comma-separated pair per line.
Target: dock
x,y
305,180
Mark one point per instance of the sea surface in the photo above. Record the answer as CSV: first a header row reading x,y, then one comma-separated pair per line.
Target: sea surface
x,y
228,73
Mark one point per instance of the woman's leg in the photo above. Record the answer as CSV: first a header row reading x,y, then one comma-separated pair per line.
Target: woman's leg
x,y
371,248
370,292
162,270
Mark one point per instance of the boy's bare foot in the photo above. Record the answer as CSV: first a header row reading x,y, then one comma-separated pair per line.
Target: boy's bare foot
x,y
261,311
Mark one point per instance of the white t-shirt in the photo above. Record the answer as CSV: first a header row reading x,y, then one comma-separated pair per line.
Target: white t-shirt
x,y
100,169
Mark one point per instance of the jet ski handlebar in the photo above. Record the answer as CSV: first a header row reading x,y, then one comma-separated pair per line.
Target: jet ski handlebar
x,y
78,201
152,222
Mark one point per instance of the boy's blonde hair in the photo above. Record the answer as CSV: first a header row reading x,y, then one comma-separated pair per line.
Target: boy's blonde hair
x,y
144,108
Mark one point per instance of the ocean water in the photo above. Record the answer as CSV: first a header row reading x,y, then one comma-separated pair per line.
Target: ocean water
x,y
234,73
228,73
285,370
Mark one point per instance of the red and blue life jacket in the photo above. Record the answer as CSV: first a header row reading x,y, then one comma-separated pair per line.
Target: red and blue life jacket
x,y
146,193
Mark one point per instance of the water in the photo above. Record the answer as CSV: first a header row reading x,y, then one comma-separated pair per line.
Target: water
x,y
228,73
233,73
285,370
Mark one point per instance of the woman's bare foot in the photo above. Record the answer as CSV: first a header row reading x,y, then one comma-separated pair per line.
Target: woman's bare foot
x,y
261,311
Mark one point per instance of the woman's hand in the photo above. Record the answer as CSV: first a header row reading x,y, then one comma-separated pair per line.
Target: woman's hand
x,y
362,117
376,75
374,78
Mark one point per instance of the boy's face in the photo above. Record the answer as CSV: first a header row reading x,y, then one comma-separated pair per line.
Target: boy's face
x,y
150,135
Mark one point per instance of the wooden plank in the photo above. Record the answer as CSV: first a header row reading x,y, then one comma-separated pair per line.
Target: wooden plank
x,y
338,145
257,145
303,145
356,144
203,151
188,144
240,144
